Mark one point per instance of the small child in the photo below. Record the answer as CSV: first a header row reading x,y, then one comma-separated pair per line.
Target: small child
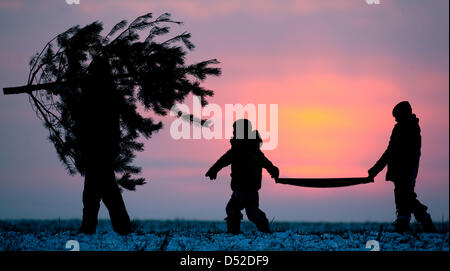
x,y
247,161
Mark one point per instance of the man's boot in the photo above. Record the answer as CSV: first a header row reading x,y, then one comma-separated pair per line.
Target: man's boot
x,y
233,225
91,205
263,226
402,224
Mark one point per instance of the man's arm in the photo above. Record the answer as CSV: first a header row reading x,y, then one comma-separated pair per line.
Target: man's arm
x,y
223,161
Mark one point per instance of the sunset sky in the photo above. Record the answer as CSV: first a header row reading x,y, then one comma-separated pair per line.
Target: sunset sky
x,y
334,68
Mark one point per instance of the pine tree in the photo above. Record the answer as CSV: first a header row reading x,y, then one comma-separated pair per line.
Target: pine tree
x,y
144,71
87,88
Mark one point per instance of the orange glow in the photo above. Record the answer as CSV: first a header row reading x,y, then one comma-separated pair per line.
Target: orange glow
x,y
315,118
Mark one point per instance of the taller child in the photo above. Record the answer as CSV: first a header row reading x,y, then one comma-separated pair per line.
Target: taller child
x,y
402,159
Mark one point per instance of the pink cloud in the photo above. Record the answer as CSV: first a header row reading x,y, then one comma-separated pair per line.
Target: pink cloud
x,y
203,9
11,5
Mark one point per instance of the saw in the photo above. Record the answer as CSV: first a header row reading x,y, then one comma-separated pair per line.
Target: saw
x,y
324,182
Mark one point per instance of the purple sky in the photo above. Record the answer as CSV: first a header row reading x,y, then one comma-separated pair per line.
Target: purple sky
x,y
335,69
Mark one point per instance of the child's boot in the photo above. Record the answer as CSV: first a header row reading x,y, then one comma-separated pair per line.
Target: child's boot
x,y
233,225
427,223
402,224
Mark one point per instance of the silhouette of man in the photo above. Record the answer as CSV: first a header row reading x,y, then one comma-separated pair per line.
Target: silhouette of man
x,y
247,161
100,138
402,159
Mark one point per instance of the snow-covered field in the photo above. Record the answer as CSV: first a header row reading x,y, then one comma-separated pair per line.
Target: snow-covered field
x,y
206,236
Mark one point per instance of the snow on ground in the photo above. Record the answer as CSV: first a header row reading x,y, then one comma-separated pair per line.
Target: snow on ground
x,y
51,235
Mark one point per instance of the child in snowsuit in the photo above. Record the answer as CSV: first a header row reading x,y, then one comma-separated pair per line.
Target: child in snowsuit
x,y
247,161
402,159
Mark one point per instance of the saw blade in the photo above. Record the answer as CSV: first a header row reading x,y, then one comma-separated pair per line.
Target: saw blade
x,y
324,182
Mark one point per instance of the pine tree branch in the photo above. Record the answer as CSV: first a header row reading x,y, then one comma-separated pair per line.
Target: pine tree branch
x,y
50,126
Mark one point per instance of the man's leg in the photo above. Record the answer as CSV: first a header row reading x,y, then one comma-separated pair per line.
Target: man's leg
x,y
91,205
255,214
112,198
401,194
234,215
